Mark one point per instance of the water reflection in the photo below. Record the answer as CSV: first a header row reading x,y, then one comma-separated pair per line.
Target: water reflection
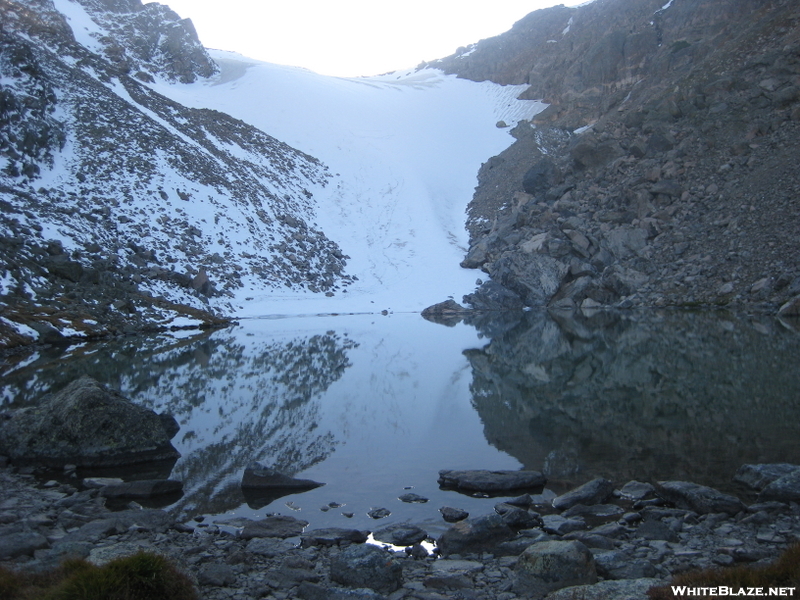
x,y
373,405
653,396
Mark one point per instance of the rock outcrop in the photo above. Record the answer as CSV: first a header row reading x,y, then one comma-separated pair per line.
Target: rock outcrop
x,y
662,171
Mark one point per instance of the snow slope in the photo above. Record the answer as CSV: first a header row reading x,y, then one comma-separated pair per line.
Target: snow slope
x,y
405,148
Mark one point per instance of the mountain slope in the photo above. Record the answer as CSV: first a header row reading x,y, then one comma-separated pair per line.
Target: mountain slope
x,y
662,173
142,187
129,204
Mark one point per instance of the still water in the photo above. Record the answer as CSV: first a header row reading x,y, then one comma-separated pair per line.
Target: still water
x,y
374,406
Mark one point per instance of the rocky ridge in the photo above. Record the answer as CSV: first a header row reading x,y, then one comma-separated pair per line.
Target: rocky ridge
x,y
662,172
123,210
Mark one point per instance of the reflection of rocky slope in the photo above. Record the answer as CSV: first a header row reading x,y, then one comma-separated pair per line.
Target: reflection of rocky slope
x,y
684,189
122,209
653,395
237,400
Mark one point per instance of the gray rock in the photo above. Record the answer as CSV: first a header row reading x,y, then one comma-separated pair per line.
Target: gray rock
x,y
656,530
333,536
261,477
269,547
491,481
758,477
533,277
142,489
783,489
699,498
548,566
541,177
379,513
401,534
412,499
593,492
216,574
632,589
447,313
558,525
366,566
85,424
516,517
278,526
474,535
26,543
619,565
453,515
637,490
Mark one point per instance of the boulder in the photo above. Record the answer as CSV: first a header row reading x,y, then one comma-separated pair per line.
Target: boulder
x,y
261,477
541,177
474,535
412,498
447,313
758,477
548,566
699,498
783,489
366,566
593,492
558,525
491,481
453,515
88,425
517,517
637,490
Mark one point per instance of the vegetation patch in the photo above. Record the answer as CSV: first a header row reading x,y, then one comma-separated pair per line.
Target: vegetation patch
x,y
784,573
143,576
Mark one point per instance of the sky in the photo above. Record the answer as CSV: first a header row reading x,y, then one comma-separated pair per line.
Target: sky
x,y
351,38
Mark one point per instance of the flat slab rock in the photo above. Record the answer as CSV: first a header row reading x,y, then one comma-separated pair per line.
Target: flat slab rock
x,y
274,527
699,498
491,481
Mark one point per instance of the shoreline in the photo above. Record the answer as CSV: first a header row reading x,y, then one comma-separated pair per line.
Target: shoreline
x,y
636,548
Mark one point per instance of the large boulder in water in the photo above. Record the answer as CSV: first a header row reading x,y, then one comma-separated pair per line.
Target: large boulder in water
x,y
86,424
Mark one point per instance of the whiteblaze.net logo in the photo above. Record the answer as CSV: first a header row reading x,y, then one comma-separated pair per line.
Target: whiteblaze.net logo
x,y
723,590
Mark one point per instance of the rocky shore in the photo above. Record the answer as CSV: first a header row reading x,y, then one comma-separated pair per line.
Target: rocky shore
x,y
615,541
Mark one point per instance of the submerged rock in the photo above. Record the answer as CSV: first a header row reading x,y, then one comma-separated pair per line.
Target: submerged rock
x,y
261,477
88,425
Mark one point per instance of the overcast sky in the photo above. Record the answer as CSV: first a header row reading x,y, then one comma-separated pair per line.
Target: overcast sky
x,y
351,37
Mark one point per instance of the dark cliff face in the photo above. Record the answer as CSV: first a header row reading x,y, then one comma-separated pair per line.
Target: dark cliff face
x,y
682,191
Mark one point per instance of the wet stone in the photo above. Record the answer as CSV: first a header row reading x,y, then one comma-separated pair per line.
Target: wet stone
x,y
453,515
